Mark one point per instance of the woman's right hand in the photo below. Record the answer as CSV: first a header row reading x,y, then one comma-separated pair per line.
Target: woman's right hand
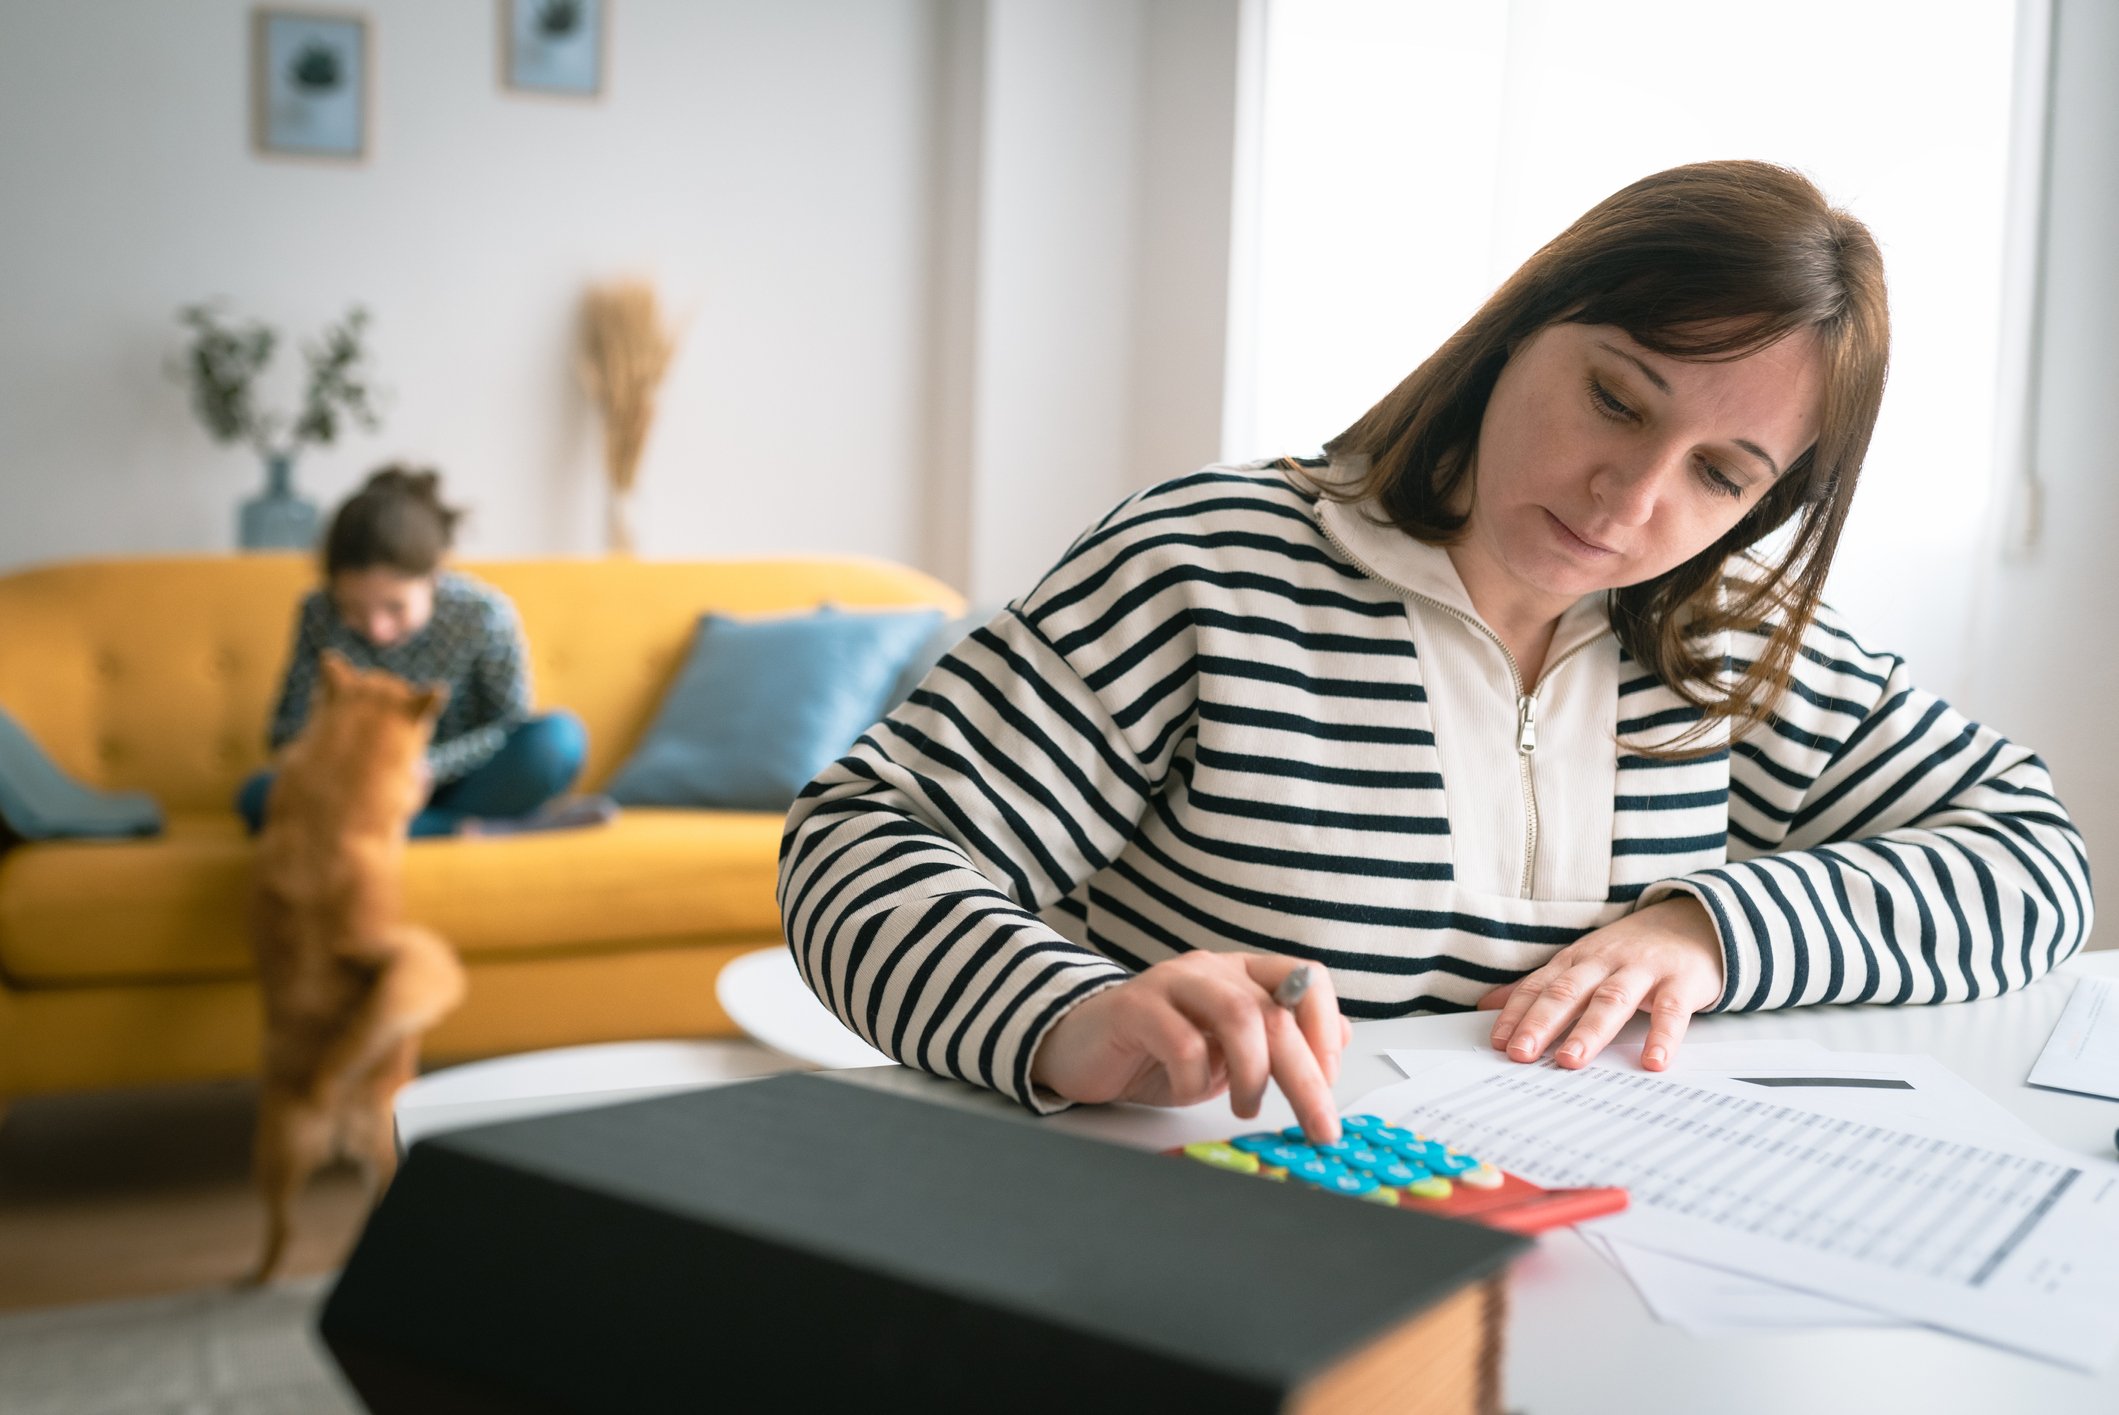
x,y
1191,1026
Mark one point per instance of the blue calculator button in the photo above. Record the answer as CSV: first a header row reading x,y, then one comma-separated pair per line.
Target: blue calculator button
x,y
1398,1175
1315,1169
1348,1182
1384,1164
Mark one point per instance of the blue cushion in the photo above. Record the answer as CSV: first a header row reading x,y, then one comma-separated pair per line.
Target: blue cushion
x,y
946,636
763,705
40,802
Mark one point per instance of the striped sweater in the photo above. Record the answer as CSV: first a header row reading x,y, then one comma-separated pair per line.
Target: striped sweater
x,y
1207,727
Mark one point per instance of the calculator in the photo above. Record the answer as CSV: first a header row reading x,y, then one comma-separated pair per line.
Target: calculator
x,y
1403,1169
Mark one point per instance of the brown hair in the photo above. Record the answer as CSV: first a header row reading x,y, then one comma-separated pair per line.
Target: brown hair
x,y
1710,261
396,521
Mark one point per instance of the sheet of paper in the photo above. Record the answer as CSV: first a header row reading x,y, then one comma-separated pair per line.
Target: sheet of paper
x,y
1891,1089
1885,1087
1869,1086
1863,1085
2014,1243
2083,1052
1707,1300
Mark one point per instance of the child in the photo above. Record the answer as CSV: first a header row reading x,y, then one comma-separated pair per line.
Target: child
x,y
387,603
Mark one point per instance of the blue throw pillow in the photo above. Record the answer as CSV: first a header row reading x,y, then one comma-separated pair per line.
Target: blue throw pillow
x,y
763,705
40,802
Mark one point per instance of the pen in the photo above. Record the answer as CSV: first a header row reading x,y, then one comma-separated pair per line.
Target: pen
x,y
1292,987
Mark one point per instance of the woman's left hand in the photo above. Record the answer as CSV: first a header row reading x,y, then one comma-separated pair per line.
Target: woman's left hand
x,y
1665,959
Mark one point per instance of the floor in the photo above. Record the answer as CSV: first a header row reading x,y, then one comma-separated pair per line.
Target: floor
x,y
215,1351
126,1194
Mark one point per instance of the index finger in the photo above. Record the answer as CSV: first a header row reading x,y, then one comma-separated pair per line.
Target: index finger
x,y
1301,1078
1317,1013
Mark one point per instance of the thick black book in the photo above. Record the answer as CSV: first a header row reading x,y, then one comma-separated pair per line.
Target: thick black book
x,y
804,1243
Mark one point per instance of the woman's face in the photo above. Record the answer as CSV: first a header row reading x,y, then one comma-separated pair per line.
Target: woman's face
x,y
381,605
1603,464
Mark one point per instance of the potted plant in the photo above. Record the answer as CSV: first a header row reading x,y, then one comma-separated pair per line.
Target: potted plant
x,y
222,365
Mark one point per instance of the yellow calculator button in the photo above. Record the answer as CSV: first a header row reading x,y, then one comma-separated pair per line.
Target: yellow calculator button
x,y
1429,1189
1384,1195
1223,1156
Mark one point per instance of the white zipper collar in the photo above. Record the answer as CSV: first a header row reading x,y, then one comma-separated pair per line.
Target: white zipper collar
x,y
1385,553
1421,571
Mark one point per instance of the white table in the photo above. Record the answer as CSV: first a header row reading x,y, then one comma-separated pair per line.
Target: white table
x,y
573,1078
1580,1341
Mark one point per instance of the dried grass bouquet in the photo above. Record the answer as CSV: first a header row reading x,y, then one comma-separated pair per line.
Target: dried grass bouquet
x,y
626,349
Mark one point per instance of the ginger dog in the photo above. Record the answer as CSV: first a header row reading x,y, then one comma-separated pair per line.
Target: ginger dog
x,y
349,986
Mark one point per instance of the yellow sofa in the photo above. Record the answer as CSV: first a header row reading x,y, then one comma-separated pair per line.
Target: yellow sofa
x,y
126,962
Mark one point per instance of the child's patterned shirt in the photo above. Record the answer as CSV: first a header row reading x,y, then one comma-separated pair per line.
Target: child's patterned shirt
x,y
473,645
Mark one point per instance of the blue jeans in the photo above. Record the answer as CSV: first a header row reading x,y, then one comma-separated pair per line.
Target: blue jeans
x,y
539,760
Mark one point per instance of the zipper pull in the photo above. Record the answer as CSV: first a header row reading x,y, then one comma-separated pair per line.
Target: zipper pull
x,y
1526,724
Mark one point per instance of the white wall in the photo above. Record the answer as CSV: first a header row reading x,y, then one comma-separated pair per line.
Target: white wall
x,y
2046,672
768,164
953,272
1084,329
1191,60
1055,279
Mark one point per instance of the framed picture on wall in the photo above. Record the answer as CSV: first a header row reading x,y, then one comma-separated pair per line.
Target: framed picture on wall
x,y
309,83
553,46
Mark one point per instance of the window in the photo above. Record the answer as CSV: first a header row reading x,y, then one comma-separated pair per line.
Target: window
x,y
1411,153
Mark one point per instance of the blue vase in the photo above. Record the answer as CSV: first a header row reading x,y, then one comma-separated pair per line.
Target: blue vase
x,y
278,518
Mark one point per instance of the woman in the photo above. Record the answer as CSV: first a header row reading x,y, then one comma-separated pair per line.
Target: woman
x,y
1511,703
388,603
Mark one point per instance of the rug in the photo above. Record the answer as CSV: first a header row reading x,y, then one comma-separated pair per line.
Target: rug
x,y
211,1352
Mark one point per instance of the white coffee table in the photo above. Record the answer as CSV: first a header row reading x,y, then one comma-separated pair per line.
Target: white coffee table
x,y
763,993
787,1029
574,1078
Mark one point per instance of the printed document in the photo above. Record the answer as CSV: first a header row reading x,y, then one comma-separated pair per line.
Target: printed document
x,y
2005,1239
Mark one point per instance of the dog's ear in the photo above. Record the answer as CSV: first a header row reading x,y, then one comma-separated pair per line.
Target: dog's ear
x,y
339,674
426,703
